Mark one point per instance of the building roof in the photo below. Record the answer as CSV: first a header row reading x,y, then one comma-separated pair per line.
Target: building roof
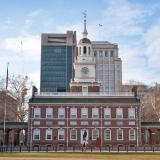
x,y
83,100
14,125
84,40
150,124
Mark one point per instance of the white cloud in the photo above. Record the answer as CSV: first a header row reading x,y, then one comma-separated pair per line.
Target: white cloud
x,y
35,78
122,23
152,42
30,18
122,18
30,44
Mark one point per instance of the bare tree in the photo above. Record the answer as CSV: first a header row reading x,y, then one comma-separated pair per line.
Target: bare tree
x,y
150,103
20,86
154,98
150,99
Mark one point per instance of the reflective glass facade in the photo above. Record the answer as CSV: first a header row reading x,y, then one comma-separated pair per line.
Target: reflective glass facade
x,y
56,68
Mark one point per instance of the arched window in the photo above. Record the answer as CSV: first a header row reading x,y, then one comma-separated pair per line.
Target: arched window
x,y
73,134
36,134
95,134
84,50
107,134
48,134
132,134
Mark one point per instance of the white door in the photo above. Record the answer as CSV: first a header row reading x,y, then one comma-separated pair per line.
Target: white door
x,y
84,137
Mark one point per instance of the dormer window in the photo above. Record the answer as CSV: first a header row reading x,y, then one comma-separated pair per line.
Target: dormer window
x,y
84,50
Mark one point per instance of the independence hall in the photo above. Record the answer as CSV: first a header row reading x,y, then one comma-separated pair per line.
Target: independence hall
x,y
88,108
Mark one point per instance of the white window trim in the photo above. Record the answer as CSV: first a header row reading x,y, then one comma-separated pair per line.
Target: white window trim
x,y
105,134
129,113
71,136
122,135
134,134
92,133
73,114
60,114
86,113
39,134
46,134
105,112
51,114
118,114
58,134
37,114
97,113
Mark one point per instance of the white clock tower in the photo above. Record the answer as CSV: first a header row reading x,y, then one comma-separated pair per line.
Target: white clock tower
x,y
84,64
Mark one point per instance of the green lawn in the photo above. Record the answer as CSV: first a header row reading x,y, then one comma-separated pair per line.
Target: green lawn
x,y
79,156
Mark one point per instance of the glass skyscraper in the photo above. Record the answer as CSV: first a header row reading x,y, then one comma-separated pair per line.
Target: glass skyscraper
x,y
57,54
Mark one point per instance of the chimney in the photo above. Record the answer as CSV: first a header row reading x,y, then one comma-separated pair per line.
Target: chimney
x,y
34,90
134,90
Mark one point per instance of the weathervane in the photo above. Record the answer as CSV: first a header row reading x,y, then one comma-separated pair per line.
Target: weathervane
x,y
85,30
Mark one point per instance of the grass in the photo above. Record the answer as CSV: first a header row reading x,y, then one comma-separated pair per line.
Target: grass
x,y
79,156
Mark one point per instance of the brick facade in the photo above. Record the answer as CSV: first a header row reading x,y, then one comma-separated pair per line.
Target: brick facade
x,y
89,124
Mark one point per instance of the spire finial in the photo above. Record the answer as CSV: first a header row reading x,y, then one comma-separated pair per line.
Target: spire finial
x,y
85,29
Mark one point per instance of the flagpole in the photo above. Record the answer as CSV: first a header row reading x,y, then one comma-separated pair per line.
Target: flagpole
x,y
5,106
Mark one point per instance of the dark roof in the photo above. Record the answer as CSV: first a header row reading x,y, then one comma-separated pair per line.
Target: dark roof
x,y
83,100
10,125
150,123
84,40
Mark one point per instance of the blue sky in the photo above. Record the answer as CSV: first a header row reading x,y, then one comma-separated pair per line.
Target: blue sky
x,y
133,24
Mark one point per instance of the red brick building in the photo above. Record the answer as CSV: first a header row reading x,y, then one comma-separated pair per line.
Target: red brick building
x,y
74,119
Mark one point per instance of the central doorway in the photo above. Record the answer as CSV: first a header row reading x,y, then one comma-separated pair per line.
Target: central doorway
x,y
84,137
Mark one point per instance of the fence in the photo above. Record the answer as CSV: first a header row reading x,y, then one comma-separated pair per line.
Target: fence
x,y
50,148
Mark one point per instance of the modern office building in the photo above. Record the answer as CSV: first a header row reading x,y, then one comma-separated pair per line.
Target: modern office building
x,y
108,66
57,54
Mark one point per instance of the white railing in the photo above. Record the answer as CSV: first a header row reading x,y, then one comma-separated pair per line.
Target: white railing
x,y
77,94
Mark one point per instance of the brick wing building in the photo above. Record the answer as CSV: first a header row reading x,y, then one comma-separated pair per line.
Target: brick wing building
x,y
74,119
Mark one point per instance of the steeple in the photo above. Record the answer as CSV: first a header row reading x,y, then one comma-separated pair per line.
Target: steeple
x,y
84,33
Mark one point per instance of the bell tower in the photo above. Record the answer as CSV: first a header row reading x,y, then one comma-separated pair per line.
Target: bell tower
x,y
84,66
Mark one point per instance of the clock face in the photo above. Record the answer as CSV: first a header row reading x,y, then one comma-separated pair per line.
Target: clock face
x,y
85,70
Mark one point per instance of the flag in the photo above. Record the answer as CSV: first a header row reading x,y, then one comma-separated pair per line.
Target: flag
x,y
7,78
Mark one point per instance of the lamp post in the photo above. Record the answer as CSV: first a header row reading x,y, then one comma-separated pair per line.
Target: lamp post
x,y
101,125
5,105
4,127
67,125
31,137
